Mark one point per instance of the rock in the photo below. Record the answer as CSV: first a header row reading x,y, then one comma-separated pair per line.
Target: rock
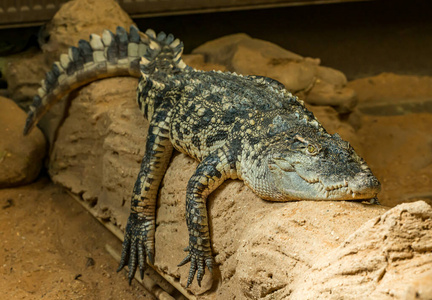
x,y
20,156
336,77
242,54
420,288
270,251
387,87
78,19
330,88
323,93
302,76
221,51
279,242
388,257
91,141
389,94
23,74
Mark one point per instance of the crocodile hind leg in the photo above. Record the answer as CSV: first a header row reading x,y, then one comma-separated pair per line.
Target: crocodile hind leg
x,y
140,229
210,173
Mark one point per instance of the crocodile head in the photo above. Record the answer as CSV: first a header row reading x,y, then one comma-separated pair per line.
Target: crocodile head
x,y
324,167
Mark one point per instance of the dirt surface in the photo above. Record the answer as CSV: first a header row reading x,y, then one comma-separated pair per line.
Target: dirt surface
x,y
53,249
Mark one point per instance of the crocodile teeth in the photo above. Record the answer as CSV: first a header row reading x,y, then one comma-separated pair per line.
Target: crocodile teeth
x,y
345,183
353,195
326,194
313,180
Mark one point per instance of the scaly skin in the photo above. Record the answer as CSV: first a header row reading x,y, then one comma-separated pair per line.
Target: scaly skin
x,y
239,127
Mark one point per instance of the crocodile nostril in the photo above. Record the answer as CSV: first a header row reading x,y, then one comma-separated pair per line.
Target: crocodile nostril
x,y
365,183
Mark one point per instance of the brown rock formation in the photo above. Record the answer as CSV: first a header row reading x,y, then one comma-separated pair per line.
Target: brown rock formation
x,y
20,157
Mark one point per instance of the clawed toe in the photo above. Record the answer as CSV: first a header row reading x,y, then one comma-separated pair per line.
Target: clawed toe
x,y
135,250
198,261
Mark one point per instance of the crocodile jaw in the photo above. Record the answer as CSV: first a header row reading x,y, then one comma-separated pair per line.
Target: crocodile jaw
x,y
292,186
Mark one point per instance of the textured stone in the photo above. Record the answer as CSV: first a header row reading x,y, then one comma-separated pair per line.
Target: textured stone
x,y
221,50
93,138
389,94
20,157
323,93
390,87
23,74
389,257
297,75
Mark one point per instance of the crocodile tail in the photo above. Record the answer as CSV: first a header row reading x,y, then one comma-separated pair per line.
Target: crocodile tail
x,y
103,56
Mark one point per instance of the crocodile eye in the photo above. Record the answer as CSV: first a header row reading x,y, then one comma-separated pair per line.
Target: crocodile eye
x,y
311,149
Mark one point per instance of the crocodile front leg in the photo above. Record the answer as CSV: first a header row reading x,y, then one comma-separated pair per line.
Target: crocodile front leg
x,y
210,173
140,229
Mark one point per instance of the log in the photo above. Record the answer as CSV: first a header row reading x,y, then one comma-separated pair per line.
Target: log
x,y
263,250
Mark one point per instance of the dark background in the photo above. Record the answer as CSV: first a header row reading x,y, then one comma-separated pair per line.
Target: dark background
x,y
359,38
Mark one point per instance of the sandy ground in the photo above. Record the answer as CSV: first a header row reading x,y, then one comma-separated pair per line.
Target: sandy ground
x,y
53,249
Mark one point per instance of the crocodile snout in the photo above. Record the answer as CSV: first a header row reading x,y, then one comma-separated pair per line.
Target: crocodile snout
x,y
365,183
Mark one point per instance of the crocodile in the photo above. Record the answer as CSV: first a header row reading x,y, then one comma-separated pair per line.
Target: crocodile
x,y
236,126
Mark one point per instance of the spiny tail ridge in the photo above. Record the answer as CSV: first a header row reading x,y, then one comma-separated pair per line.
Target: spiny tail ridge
x,y
163,58
103,56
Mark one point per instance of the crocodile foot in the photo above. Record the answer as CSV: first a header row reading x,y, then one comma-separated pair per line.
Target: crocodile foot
x,y
199,258
137,245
